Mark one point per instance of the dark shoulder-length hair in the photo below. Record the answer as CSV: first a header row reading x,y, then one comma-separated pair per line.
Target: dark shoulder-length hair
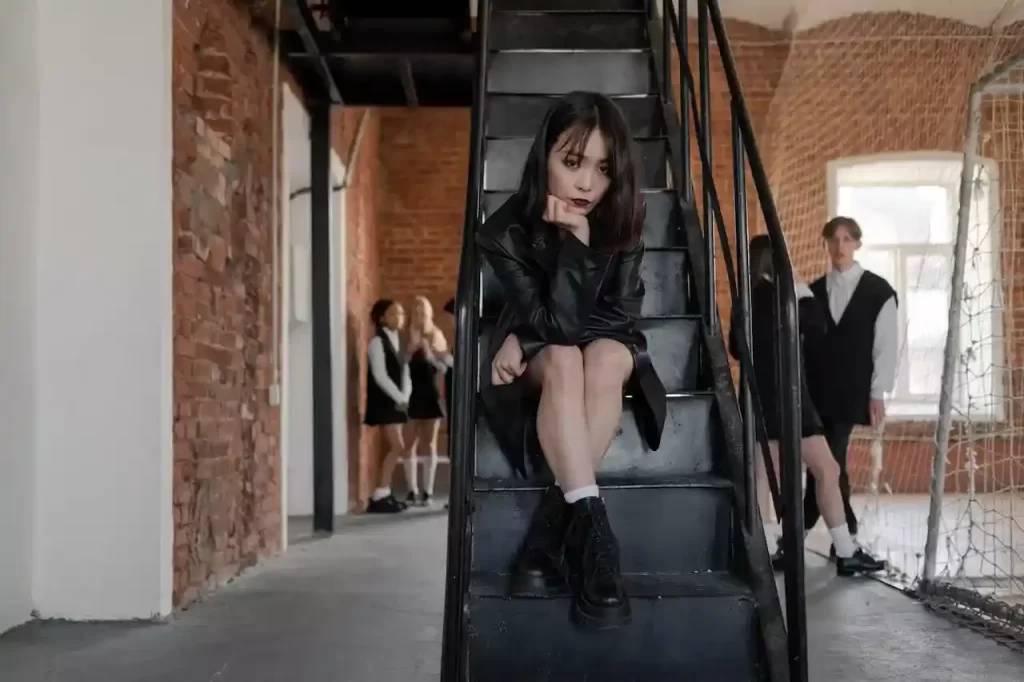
x,y
378,311
618,219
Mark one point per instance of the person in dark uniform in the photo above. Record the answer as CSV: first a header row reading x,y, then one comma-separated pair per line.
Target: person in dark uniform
x,y
428,360
854,365
388,388
813,447
567,249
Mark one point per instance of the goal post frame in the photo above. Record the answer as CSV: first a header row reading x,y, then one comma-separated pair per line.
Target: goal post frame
x,y
986,85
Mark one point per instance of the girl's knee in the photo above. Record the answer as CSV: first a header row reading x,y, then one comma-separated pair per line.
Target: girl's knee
x,y
607,361
561,366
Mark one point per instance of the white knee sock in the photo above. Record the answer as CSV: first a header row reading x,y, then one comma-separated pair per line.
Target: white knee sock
x,y
411,474
431,474
842,541
574,496
381,493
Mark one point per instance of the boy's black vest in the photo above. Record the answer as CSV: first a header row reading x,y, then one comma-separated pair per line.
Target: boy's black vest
x,y
840,367
378,403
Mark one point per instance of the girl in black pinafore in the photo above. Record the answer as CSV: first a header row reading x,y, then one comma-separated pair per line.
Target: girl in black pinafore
x,y
428,360
388,388
814,450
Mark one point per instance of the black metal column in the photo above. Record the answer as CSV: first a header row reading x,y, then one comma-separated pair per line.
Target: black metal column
x,y
320,271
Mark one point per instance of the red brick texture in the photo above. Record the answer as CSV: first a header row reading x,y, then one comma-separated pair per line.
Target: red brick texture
x,y
873,83
226,456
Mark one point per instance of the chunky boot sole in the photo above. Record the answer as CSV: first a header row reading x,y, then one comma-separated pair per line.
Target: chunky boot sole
x,y
848,572
591,617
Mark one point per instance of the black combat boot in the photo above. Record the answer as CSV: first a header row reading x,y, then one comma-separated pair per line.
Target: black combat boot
x,y
539,569
599,599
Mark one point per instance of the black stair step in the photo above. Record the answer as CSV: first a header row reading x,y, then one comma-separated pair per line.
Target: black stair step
x,y
687,445
568,5
663,272
521,115
556,73
504,159
696,628
680,525
568,31
661,230
672,342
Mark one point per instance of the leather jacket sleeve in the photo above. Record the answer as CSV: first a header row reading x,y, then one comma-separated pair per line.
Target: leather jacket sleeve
x,y
556,311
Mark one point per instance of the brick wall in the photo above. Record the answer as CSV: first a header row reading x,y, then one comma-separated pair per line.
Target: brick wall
x,y
226,465
868,84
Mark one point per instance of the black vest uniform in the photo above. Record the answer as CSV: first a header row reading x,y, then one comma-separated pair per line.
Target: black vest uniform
x,y
841,365
380,408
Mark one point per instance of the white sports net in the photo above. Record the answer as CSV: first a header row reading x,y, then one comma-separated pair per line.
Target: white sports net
x,y
878,105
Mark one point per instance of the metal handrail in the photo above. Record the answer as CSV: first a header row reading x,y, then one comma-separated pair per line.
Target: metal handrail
x,y
788,359
464,384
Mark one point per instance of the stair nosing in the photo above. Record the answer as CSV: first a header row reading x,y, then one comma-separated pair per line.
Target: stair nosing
x,y
635,138
678,482
556,95
567,50
678,317
730,586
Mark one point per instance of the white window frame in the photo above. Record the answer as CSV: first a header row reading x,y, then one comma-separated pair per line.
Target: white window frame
x,y
936,168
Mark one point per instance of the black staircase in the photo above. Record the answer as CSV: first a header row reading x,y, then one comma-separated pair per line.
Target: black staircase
x,y
705,606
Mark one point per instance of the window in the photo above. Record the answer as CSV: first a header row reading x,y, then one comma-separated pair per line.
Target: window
x,y
906,205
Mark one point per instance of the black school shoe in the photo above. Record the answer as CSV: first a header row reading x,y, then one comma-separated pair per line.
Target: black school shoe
x,y
539,567
860,562
386,505
592,552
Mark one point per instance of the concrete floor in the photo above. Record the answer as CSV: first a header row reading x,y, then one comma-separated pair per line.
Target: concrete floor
x,y
365,606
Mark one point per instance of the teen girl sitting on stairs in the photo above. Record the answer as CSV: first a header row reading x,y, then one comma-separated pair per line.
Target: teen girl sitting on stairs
x,y
567,250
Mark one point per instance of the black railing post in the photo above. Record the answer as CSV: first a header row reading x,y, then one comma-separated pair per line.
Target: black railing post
x,y
739,184
707,216
666,54
789,365
323,348
684,98
462,438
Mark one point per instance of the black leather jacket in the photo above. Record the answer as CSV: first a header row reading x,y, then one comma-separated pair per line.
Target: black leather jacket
x,y
559,291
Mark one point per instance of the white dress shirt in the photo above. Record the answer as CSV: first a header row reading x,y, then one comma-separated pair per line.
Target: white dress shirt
x,y
379,368
885,351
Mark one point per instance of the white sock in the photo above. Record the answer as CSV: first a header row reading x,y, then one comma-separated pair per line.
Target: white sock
x,y
574,496
381,493
842,541
431,474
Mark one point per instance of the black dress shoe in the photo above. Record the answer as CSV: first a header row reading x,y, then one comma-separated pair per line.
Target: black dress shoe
x,y
385,505
599,599
860,562
538,569
779,561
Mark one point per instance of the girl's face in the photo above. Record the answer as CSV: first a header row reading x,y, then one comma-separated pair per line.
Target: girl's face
x,y
420,315
394,318
579,177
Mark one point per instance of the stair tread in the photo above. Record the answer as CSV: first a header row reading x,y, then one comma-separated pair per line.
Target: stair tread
x,y
615,482
705,585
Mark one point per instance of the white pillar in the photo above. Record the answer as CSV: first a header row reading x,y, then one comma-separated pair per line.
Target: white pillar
x,y
103,313
19,133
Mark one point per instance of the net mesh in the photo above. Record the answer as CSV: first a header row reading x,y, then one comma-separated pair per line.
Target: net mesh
x,y
868,118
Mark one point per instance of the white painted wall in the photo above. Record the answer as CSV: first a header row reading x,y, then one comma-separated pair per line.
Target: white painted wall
x,y
101,303
19,184
297,348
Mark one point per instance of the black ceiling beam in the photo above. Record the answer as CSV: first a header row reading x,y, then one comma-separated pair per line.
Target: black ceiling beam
x,y
294,46
309,34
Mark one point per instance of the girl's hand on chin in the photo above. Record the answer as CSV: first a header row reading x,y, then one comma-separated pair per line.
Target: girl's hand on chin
x,y
558,213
